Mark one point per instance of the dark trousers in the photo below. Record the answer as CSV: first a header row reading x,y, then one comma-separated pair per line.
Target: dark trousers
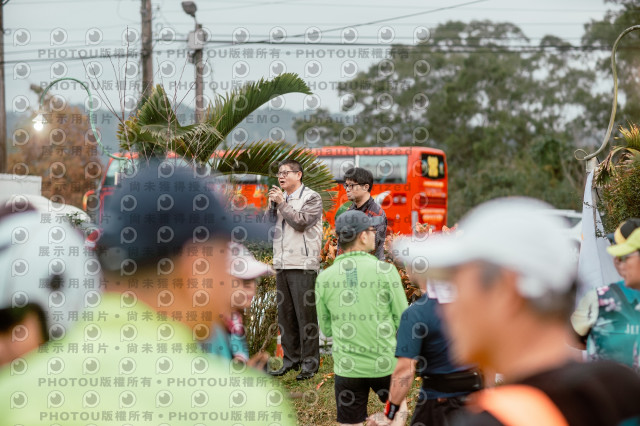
x,y
297,318
436,412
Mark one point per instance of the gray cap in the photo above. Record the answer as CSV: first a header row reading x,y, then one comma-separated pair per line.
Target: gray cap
x,y
352,222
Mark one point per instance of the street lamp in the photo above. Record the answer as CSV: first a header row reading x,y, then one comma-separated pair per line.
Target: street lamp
x,y
38,122
189,8
196,41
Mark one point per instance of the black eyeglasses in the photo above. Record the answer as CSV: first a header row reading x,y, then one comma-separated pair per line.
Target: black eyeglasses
x,y
286,172
349,186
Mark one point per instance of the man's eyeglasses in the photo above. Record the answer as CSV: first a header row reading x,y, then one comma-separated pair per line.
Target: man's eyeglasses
x,y
286,172
626,256
349,186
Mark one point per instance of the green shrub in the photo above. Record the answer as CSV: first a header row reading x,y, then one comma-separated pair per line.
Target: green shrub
x,y
263,313
618,178
620,197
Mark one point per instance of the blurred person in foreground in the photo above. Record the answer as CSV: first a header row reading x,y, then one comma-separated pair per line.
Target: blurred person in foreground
x,y
423,348
297,210
513,277
607,319
47,277
360,300
136,356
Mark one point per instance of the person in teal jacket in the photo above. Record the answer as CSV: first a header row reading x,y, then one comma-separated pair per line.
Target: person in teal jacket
x,y
360,301
608,318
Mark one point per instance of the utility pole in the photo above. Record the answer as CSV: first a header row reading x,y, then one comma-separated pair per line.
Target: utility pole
x,y
3,111
146,54
197,61
195,42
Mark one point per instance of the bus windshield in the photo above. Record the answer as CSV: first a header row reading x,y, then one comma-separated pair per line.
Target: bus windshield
x,y
114,168
338,166
385,168
125,166
246,178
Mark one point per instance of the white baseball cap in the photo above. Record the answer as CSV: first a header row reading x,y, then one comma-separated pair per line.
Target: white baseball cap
x,y
244,265
44,263
512,233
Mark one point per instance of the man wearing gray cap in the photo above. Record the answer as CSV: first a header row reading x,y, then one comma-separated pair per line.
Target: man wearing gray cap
x,y
360,300
513,278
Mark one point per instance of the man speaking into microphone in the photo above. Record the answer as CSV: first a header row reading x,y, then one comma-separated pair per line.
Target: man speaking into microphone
x,y
296,258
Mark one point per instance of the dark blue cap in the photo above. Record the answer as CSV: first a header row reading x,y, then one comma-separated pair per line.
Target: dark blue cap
x,y
153,213
352,222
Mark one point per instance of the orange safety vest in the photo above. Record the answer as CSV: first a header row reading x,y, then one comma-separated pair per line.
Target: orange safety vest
x,y
518,405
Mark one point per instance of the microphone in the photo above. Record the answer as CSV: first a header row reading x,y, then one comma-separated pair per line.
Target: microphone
x,y
273,209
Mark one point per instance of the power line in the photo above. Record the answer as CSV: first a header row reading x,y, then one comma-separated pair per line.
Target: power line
x,y
452,49
257,4
394,6
299,24
379,21
19,3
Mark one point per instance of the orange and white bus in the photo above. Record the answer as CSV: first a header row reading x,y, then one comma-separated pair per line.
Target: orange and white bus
x,y
410,183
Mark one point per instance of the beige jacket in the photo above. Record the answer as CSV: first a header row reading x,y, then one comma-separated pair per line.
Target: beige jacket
x,y
297,239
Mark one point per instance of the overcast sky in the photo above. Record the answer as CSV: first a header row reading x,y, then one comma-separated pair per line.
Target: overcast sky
x,y
42,38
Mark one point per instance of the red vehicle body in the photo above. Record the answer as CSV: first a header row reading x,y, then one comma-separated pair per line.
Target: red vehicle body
x,y
410,183
93,201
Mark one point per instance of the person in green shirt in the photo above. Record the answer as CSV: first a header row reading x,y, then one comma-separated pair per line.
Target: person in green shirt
x,y
359,302
135,355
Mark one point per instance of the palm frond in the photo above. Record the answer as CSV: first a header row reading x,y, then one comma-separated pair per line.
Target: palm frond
x,y
156,115
619,156
262,158
631,135
228,111
155,128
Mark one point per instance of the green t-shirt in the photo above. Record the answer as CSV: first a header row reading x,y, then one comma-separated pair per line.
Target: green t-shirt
x,y
123,363
360,301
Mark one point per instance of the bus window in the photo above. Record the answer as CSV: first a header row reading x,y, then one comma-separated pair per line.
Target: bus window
x,y
385,168
121,165
432,166
338,166
110,177
246,178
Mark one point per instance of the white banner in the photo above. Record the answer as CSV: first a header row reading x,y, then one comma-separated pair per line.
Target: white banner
x,y
595,266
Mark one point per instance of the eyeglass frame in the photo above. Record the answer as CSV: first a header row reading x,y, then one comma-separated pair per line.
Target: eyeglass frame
x,y
285,173
349,186
624,258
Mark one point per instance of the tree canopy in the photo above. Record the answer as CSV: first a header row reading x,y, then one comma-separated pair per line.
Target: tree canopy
x,y
507,113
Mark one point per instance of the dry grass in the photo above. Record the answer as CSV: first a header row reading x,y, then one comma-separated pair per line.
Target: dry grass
x,y
317,406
